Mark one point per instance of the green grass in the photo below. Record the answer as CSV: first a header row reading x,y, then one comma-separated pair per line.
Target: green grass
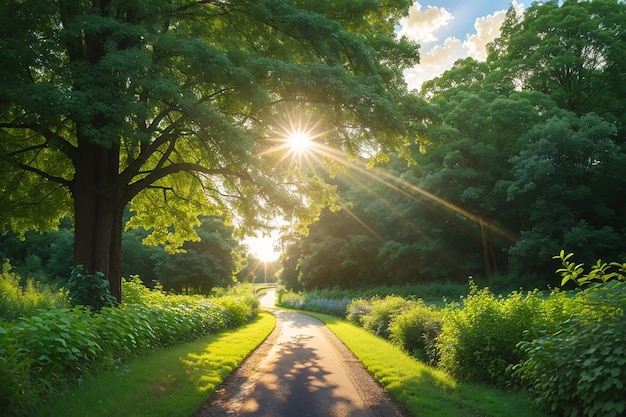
x,y
172,382
423,390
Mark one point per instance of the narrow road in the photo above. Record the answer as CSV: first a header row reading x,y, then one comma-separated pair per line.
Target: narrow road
x,y
302,370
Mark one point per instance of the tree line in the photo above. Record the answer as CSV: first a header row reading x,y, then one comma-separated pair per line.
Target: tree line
x,y
217,259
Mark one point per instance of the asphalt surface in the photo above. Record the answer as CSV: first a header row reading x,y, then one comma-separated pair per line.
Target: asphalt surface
x,y
302,370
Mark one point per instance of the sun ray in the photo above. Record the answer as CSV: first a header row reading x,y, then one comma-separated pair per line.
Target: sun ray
x,y
298,138
410,190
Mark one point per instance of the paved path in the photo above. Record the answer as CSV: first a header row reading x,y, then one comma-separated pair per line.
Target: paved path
x,y
302,370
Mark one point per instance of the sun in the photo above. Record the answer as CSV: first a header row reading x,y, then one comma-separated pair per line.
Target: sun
x,y
295,137
263,248
299,141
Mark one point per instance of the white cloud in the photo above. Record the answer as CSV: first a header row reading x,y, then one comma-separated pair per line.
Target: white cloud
x,y
434,62
487,30
421,25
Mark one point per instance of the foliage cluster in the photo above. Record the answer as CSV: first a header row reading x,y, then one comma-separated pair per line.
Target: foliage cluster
x,y
565,347
479,337
580,370
42,352
24,299
416,330
378,314
408,323
89,289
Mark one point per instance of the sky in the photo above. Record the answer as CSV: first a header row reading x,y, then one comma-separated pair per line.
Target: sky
x,y
447,31
450,30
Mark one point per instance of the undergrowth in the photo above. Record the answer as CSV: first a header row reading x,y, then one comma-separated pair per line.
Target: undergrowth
x,y
43,352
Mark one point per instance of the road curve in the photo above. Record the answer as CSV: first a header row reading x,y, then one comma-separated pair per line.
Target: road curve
x,y
302,370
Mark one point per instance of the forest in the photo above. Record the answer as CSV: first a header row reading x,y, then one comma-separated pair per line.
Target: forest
x,y
504,163
523,157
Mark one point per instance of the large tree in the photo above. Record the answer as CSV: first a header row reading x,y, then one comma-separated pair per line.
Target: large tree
x,y
573,51
174,107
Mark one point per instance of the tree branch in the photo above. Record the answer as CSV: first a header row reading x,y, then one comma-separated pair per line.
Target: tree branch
x,y
155,175
45,175
50,137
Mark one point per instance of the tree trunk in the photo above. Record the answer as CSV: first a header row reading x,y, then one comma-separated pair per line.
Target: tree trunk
x,y
98,208
488,260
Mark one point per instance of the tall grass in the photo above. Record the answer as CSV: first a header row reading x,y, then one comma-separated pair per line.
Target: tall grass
x,y
19,299
428,290
335,300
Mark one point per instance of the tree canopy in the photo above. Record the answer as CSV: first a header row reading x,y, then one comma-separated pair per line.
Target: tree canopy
x,y
524,158
178,108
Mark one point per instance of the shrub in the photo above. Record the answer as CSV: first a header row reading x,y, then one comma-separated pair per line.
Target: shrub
x,y
478,342
57,346
238,312
89,289
383,310
581,369
357,310
16,390
134,291
416,330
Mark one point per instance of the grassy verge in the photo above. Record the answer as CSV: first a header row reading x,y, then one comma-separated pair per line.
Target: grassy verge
x,y
423,390
170,382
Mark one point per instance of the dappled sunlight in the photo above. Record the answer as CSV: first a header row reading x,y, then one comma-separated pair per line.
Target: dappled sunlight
x,y
196,363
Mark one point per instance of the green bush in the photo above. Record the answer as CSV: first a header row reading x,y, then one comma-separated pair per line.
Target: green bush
x,y
383,310
89,289
416,330
357,310
581,369
16,388
478,341
40,353
134,291
237,312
